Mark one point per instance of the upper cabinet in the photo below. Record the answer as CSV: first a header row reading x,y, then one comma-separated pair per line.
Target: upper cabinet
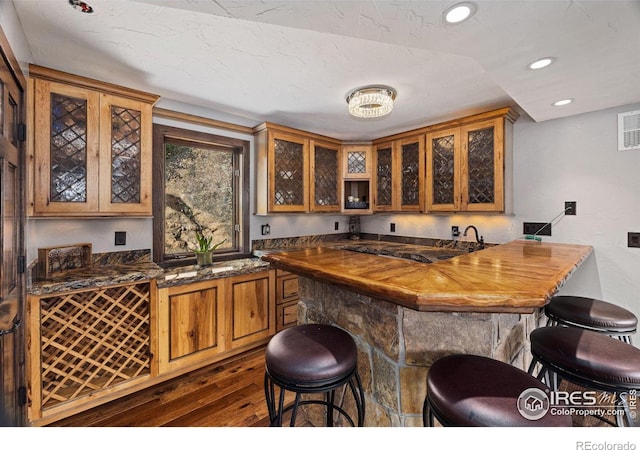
x,y
399,175
89,147
296,171
469,164
356,176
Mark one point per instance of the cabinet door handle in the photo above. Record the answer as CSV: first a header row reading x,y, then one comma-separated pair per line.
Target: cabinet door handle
x,y
13,328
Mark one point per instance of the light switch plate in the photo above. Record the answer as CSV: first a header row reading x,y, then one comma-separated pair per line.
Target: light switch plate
x,y
633,239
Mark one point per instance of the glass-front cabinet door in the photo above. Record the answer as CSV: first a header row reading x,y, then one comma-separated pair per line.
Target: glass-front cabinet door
x,y
443,170
384,177
399,175
66,148
483,158
411,165
289,173
325,182
125,157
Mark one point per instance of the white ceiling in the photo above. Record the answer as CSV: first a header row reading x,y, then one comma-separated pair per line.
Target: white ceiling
x,y
294,62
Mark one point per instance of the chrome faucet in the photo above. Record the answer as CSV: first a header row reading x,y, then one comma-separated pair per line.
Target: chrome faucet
x,y
480,239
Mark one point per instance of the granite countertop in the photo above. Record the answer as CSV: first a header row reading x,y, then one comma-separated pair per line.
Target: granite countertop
x,y
126,267
96,276
100,276
413,252
192,274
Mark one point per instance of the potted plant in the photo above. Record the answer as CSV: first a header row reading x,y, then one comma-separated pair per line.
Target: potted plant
x,y
206,247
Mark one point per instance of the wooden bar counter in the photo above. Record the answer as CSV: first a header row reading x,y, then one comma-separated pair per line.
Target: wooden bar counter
x,y
404,315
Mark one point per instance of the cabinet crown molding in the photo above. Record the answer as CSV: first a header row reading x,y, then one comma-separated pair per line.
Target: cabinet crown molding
x,y
48,74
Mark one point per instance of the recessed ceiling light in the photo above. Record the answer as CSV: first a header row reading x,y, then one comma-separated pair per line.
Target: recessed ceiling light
x,y
566,101
459,12
81,6
540,63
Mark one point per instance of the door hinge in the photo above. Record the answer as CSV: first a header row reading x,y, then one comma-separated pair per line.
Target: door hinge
x,y
22,264
22,395
22,132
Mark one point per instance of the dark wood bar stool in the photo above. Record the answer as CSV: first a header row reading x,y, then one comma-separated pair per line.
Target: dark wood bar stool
x,y
472,391
591,314
311,359
588,359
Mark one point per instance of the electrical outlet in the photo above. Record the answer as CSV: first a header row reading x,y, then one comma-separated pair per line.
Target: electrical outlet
x,y
633,239
569,208
336,226
537,228
266,229
455,231
121,238
393,227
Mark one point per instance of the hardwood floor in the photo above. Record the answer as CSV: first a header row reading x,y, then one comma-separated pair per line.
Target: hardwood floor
x,y
226,394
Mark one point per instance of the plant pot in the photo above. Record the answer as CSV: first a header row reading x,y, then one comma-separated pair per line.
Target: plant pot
x,y
204,258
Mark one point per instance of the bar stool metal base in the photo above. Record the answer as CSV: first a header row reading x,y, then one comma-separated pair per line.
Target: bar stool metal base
x,y
313,359
277,410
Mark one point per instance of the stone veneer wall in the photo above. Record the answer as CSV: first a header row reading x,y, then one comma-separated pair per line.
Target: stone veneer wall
x,y
397,345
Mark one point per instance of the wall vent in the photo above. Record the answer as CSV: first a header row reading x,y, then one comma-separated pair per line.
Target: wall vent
x,y
629,131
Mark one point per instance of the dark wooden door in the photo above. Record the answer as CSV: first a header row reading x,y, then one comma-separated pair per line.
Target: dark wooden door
x,y
12,408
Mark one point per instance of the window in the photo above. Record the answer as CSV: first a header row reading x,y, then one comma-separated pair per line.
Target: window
x,y
201,182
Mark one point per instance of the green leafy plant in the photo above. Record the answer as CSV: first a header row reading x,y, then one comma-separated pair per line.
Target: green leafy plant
x,y
205,243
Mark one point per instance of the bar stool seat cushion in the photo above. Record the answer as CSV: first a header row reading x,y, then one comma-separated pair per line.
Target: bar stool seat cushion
x,y
588,356
311,354
591,313
471,390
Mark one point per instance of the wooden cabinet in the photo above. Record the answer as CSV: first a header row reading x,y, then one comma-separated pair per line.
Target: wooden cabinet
x,y
250,309
296,172
356,175
287,297
90,152
399,175
199,323
190,326
85,346
325,176
469,164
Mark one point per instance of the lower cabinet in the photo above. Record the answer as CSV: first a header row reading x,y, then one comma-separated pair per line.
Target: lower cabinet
x,y
87,347
203,322
84,346
287,297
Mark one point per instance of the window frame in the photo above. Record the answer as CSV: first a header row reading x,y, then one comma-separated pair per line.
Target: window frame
x,y
163,133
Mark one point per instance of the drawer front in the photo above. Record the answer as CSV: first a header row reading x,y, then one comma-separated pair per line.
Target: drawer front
x,y
287,289
287,315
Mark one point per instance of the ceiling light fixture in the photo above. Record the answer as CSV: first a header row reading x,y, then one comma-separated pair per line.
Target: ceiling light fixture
x,y
459,12
81,6
566,101
541,63
371,101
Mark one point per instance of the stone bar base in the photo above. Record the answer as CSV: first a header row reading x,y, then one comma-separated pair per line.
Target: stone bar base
x,y
397,345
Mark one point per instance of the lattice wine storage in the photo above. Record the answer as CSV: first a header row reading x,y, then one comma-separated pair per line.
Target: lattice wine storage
x,y
92,340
